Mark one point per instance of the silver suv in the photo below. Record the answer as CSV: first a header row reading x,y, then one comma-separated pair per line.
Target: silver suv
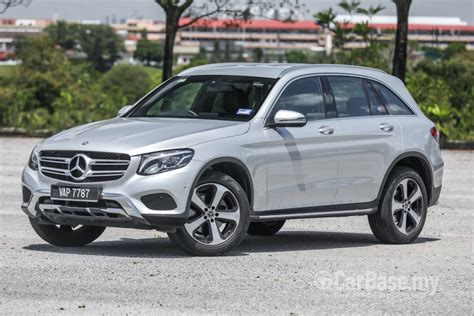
x,y
223,150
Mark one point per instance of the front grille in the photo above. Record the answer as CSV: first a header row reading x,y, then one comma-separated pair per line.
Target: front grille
x,y
102,166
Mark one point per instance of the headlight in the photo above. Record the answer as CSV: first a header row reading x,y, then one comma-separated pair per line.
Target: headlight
x,y
164,161
33,161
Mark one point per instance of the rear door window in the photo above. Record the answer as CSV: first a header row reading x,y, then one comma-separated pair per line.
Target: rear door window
x,y
349,96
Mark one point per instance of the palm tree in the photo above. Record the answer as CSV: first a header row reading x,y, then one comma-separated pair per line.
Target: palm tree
x,y
401,39
349,7
367,29
327,20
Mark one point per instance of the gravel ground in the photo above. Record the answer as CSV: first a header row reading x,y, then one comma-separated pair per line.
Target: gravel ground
x,y
312,266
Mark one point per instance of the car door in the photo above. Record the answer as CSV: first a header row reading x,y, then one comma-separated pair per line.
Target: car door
x,y
369,137
302,161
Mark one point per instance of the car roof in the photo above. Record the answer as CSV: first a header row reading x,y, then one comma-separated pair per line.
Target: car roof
x,y
275,70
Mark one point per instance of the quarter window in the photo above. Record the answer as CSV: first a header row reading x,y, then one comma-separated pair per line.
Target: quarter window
x,y
303,96
376,104
394,105
349,96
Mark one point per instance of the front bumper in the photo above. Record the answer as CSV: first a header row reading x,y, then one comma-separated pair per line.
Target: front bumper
x,y
121,203
435,193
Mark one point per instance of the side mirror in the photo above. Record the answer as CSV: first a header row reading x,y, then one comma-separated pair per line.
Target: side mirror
x,y
124,110
285,118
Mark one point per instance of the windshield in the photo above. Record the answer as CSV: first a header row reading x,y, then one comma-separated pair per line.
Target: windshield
x,y
207,97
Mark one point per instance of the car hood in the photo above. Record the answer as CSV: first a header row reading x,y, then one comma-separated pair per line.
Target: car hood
x,y
136,136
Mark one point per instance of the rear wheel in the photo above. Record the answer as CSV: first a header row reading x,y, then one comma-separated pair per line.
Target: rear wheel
x,y
403,208
219,217
67,236
265,228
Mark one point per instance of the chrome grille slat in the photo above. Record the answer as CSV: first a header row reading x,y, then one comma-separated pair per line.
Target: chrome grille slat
x,y
55,160
102,166
55,170
106,173
109,162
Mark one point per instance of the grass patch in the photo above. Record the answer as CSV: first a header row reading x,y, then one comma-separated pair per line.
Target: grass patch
x,y
7,71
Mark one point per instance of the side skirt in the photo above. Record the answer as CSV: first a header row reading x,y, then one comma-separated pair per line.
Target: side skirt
x,y
319,211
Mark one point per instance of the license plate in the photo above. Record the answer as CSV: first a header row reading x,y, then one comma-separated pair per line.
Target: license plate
x,y
75,193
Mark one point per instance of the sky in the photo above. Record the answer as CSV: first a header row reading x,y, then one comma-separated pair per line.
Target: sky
x,y
101,9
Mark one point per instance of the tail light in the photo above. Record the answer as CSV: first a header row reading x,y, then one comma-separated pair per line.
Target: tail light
x,y
435,133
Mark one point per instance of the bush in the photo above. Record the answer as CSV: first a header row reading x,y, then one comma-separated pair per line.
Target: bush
x,y
49,92
126,83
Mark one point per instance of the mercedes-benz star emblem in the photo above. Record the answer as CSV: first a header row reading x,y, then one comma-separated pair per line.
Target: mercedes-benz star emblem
x,y
79,167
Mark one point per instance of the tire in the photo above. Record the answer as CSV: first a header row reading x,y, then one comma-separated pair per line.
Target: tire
x,y
67,236
401,216
213,208
265,228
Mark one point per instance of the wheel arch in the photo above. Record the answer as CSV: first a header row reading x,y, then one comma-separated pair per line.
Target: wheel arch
x,y
416,161
232,167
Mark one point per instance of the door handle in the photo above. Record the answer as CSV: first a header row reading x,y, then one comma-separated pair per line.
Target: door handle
x,y
326,130
386,127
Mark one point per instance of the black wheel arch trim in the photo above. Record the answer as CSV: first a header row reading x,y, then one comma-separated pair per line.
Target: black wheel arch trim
x,y
410,154
214,162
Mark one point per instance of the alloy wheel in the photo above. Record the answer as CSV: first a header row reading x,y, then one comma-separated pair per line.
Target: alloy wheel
x,y
215,214
407,205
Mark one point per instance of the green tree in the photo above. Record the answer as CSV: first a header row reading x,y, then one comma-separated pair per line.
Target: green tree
x,y
325,18
364,29
65,34
453,49
32,98
350,7
148,51
444,90
216,53
101,45
40,69
258,54
296,57
126,83
49,92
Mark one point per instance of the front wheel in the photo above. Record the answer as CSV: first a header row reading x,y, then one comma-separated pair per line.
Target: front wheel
x,y
403,208
67,236
219,217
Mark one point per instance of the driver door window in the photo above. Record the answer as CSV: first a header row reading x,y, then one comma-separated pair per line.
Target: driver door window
x,y
303,96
